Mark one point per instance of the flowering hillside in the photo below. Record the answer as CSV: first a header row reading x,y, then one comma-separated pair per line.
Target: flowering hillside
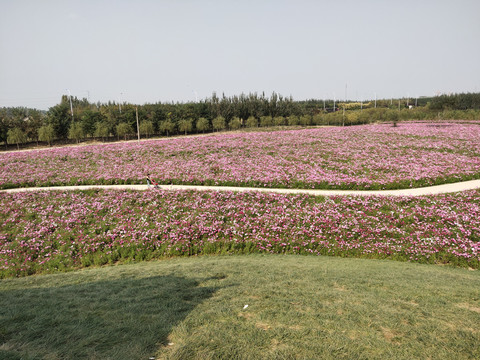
x,y
51,231
361,157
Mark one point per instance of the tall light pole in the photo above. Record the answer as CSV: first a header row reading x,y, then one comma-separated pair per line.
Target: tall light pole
x,y
138,127
71,106
119,103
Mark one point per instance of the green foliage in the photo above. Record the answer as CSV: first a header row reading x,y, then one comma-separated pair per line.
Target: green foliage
x,y
16,136
146,128
167,127
124,129
60,118
219,123
293,120
352,117
251,122
305,120
89,119
279,121
266,121
456,102
393,116
317,119
235,123
203,124
185,125
334,118
101,130
46,133
76,132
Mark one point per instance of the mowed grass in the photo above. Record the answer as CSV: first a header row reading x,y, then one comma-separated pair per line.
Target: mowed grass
x,y
299,307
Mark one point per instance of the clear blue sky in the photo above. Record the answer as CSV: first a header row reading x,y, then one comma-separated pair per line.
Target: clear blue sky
x,y
147,51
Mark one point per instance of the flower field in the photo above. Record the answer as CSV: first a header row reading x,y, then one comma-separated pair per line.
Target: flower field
x,y
55,231
361,157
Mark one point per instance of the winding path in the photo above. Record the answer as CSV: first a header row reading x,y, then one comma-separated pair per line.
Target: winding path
x,y
431,190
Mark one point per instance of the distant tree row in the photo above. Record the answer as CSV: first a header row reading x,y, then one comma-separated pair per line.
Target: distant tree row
x,y
112,120
456,102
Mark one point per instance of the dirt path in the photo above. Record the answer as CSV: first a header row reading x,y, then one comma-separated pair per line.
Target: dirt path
x,y
431,190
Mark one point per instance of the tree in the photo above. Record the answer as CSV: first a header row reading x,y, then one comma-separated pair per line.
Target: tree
x,y
101,130
279,121
203,124
235,123
293,120
146,128
219,123
317,119
266,121
76,132
33,122
89,120
59,117
185,125
305,120
46,133
124,129
16,136
392,115
167,126
251,122
4,125
352,117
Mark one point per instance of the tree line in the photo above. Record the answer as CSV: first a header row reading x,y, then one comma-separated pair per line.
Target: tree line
x,y
113,120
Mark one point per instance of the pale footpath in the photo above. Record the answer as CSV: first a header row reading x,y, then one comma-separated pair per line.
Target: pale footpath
x,y
430,190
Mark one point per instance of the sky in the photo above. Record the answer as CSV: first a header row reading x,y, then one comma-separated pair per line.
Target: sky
x,y
143,51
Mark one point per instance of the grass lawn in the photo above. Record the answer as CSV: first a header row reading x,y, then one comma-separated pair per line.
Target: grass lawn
x,y
299,307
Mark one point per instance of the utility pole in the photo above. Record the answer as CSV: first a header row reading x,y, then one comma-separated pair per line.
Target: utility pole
x,y
375,100
333,102
138,127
